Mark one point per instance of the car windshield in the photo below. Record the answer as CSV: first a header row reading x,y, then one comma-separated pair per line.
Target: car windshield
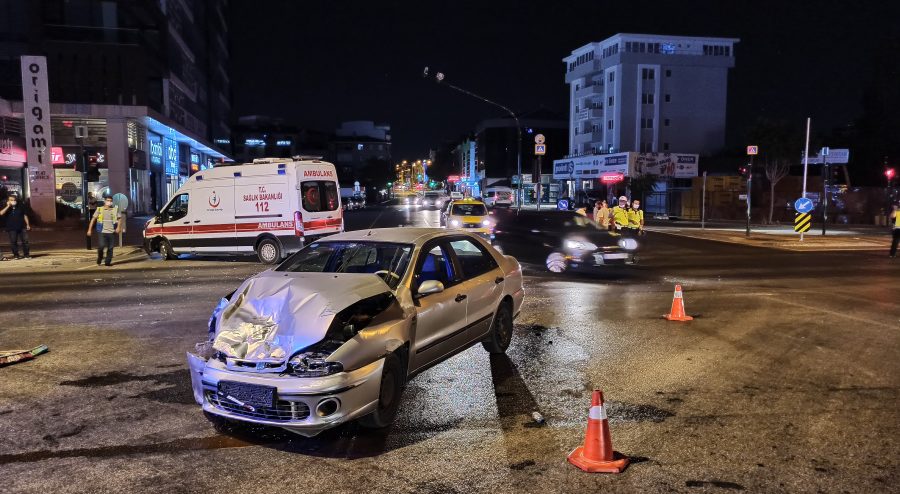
x,y
432,194
388,260
468,210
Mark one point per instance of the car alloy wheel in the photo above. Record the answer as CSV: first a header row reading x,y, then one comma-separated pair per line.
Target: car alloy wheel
x,y
268,251
556,262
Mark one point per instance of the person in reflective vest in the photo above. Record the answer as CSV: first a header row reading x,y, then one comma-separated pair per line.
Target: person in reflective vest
x,y
636,218
620,215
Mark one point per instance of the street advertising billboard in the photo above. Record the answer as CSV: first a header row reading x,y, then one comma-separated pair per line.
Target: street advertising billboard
x,y
38,139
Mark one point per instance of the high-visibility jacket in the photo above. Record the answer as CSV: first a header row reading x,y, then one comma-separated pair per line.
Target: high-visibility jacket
x,y
635,218
897,219
620,216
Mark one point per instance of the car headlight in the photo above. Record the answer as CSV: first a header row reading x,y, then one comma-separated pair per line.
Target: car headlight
x,y
628,243
486,223
311,363
580,245
213,319
454,222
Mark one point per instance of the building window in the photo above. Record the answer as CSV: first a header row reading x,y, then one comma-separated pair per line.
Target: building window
x,y
610,102
647,98
646,123
666,122
577,87
612,76
727,51
668,98
665,146
609,124
647,74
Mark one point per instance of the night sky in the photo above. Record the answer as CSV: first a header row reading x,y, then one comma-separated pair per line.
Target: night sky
x,y
317,63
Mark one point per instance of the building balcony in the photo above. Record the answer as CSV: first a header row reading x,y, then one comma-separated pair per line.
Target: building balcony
x,y
591,90
587,137
583,70
589,114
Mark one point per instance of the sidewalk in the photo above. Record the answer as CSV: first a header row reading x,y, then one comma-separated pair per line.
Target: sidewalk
x,y
841,237
66,241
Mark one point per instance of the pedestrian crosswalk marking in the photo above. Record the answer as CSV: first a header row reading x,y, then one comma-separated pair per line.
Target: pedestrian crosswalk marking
x,y
802,222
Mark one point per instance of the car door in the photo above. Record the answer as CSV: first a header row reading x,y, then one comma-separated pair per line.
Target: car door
x,y
176,223
481,280
440,317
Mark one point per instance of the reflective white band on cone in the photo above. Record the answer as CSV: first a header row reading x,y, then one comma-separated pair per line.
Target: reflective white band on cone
x,y
678,294
597,413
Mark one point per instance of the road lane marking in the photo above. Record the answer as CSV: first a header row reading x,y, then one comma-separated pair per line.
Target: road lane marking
x,y
834,313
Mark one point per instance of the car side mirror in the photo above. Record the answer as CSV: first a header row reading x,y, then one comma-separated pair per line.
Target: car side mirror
x,y
430,286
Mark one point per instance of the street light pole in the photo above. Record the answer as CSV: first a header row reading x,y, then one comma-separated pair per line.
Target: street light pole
x,y
439,77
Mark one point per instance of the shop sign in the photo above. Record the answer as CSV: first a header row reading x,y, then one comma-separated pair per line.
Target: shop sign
x,y
38,139
170,156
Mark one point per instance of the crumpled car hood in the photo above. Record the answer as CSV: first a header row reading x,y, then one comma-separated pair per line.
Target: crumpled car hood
x,y
275,314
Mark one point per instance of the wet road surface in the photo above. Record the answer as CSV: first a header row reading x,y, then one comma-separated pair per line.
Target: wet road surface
x,y
787,381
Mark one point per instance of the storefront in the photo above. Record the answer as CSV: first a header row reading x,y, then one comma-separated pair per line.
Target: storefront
x,y
12,166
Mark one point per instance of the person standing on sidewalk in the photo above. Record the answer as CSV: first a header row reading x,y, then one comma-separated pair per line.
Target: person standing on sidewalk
x,y
17,226
895,216
636,218
107,219
620,216
601,214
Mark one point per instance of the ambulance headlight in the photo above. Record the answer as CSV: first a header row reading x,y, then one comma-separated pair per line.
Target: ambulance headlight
x,y
628,243
580,245
454,222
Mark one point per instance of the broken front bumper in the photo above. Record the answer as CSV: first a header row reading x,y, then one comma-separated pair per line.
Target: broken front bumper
x,y
305,406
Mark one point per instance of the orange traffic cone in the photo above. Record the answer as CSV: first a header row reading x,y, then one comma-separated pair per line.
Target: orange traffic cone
x,y
677,312
597,454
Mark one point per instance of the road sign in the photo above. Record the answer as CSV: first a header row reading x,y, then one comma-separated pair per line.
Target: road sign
x,y
539,139
803,205
540,149
802,222
837,156
562,205
752,150
742,197
824,151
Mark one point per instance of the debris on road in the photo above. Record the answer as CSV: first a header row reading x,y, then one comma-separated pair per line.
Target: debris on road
x,y
9,357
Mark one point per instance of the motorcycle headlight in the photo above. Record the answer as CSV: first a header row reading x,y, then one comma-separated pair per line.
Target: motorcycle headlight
x,y
580,245
213,319
311,362
454,222
628,243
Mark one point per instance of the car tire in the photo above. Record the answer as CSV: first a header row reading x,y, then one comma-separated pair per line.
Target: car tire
x,y
556,262
268,251
392,381
501,330
165,250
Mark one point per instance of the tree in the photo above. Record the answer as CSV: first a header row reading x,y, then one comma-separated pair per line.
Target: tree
x,y
642,184
779,144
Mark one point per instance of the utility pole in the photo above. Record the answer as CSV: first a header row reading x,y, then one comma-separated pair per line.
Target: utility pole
x,y
825,176
805,163
80,134
749,191
439,77
703,205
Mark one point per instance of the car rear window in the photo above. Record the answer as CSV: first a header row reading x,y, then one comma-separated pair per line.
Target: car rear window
x,y
468,210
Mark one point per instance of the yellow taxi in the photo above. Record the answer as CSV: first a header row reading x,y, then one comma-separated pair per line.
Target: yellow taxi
x,y
470,215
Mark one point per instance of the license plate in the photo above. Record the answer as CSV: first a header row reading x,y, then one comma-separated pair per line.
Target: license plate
x,y
615,256
254,395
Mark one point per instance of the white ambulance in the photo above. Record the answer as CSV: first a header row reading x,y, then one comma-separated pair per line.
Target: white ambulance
x,y
268,207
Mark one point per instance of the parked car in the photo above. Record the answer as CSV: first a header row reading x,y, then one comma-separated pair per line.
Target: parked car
x,y
456,196
334,332
561,240
498,197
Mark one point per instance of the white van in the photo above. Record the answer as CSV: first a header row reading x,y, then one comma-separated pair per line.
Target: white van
x,y
498,196
268,207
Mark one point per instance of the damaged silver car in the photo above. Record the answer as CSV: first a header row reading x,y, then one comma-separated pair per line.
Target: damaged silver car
x,y
334,332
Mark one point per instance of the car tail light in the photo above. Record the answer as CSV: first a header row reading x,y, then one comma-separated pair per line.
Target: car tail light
x,y
298,223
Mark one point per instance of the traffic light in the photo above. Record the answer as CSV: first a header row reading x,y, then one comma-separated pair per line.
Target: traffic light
x,y
93,171
889,173
744,171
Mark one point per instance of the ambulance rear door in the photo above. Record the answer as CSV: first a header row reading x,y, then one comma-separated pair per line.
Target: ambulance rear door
x,y
320,199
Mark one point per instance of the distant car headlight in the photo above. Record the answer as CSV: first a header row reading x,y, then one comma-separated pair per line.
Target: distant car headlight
x,y
311,363
580,245
454,222
628,243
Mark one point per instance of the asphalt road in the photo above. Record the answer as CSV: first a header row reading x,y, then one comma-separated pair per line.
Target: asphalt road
x,y
787,381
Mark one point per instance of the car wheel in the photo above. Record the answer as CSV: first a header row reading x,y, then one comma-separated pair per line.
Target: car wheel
x,y
501,331
392,379
165,250
268,251
556,262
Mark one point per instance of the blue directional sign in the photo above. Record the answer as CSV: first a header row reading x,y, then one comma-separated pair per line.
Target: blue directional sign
x,y
563,205
803,205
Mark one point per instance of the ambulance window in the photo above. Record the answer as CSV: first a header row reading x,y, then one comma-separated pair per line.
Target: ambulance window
x,y
319,196
177,209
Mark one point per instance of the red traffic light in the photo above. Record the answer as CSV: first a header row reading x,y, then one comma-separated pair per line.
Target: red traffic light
x,y
889,173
